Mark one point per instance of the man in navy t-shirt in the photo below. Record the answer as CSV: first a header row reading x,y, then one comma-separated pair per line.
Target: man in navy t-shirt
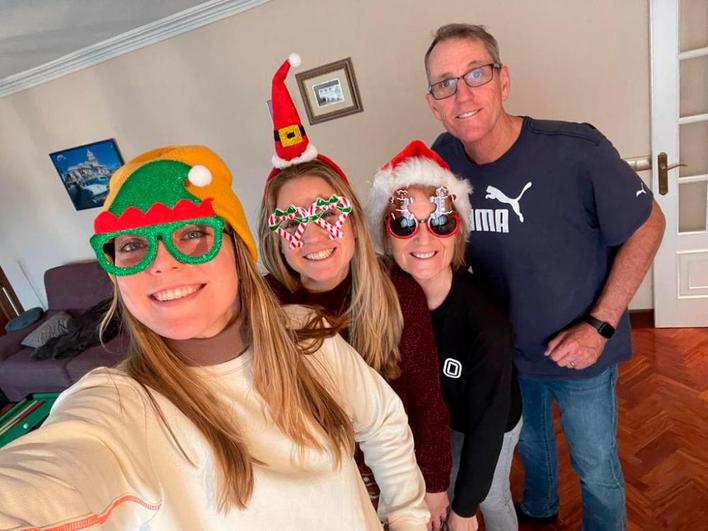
x,y
564,232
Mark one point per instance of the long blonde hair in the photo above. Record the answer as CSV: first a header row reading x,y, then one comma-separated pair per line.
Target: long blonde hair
x,y
300,405
374,313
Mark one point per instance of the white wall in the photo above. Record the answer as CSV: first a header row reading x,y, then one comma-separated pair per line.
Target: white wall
x,y
577,60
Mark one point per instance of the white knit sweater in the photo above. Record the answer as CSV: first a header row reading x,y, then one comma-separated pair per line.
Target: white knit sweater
x,y
104,458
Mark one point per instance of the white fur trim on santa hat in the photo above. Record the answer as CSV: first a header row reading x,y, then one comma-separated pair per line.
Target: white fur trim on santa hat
x,y
414,171
309,154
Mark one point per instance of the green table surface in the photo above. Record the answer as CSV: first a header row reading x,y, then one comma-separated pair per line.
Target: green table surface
x,y
25,416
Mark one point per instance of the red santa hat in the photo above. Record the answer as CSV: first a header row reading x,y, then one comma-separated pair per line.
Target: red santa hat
x,y
415,165
292,146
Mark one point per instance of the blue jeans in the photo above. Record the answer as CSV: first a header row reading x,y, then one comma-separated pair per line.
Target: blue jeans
x,y
589,418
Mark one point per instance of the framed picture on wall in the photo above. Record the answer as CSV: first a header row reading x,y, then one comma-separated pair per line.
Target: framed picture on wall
x,y
329,91
85,171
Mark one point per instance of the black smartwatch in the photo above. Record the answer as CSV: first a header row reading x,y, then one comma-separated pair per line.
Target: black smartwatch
x,y
606,330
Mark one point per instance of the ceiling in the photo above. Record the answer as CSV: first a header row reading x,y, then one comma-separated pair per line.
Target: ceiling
x,y
35,32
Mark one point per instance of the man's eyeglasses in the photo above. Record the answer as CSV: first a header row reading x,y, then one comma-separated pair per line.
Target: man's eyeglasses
x,y
478,76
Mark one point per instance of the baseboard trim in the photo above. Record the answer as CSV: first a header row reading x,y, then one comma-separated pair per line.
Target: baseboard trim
x,y
642,318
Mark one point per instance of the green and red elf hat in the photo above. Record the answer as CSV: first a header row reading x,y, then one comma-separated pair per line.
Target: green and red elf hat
x,y
171,184
292,146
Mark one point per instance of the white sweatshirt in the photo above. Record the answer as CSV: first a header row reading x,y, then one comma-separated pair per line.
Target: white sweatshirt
x,y
104,458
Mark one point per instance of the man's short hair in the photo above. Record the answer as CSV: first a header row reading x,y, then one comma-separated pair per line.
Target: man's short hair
x,y
463,31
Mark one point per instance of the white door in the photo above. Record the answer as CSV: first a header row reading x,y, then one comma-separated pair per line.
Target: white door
x,y
679,85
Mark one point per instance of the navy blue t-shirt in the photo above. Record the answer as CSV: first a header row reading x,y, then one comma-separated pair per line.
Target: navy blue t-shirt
x,y
547,218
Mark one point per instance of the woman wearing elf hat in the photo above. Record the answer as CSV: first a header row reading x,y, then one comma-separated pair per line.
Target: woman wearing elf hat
x,y
318,250
229,412
418,211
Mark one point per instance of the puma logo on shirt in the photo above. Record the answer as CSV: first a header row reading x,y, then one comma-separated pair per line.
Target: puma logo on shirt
x,y
497,220
641,191
496,193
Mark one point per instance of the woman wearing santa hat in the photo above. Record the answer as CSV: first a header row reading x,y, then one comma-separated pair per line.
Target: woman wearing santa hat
x,y
418,212
230,412
318,250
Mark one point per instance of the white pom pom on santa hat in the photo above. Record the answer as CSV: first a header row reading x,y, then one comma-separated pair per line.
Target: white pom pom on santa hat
x,y
200,176
294,60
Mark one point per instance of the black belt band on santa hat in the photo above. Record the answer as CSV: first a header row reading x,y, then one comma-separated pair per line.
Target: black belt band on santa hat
x,y
276,136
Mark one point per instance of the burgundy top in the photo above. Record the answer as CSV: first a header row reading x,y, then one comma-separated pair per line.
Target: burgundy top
x,y
419,383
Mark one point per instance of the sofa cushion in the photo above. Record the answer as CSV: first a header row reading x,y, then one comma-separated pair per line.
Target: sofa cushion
x,y
21,375
99,356
24,319
54,326
76,287
10,342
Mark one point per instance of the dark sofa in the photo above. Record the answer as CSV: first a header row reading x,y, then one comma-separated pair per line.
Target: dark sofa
x,y
72,288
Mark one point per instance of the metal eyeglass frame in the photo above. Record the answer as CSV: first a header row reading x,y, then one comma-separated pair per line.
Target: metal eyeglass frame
x,y
495,66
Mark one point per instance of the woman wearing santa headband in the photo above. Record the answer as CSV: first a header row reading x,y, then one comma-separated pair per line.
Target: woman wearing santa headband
x,y
315,244
418,212
230,412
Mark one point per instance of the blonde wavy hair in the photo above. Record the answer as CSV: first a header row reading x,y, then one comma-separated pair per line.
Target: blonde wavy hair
x,y
301,406
374,314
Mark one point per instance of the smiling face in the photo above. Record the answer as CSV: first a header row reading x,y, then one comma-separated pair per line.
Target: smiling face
x,y
471,114
424,256
321,262
183,301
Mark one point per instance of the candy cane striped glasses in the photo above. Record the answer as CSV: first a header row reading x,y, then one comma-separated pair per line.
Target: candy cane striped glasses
x,y
330,214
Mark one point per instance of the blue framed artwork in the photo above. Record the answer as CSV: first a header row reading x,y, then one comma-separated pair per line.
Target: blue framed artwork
x,y
85,171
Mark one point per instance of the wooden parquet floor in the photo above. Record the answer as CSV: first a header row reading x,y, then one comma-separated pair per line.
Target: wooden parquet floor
x,y
663,436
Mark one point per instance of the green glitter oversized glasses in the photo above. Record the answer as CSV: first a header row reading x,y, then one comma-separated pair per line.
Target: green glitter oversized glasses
x,y
130,251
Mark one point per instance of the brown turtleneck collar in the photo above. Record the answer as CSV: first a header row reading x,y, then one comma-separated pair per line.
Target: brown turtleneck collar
x,y
224,346
334,301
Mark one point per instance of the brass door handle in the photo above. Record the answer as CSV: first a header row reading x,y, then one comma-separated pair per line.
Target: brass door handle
x,y
664,167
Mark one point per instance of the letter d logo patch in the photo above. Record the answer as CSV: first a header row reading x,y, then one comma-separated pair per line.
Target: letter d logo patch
x,y
452,368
